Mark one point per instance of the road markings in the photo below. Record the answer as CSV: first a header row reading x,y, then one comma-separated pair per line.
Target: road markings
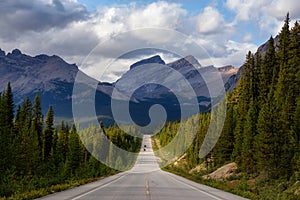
x,y
147,186
100,187
195,188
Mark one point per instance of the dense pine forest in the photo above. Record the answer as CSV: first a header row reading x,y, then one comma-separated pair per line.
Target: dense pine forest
x,y
261,132
35,153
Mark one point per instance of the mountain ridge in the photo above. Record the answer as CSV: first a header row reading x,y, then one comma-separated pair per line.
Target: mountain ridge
x,y
53,79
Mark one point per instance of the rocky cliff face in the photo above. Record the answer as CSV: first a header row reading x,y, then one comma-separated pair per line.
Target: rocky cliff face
x,y
262,49
188,67
50,76
34,74
53,79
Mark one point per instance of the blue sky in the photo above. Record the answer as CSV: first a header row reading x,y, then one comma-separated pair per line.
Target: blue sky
x,y
194,7
225,29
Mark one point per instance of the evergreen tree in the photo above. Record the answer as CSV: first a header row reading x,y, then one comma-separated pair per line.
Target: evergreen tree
x,y
74,153
268,139
266,75
21,165
58,148
49,130
255,75
284,42
284,101
295,132
38,122
25,140
245,95
63,139
248,151
26,112
56,151
6,127
225,144
34,156
9,106
4,140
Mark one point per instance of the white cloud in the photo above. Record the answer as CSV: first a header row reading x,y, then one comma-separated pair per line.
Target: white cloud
x,y
248,37
235,54
246,9
279,9
274,14
19,17
268,14
109,21
210,21
157,14
109,70
75,37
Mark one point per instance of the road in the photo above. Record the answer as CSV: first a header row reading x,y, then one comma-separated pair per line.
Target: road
x,y
145,181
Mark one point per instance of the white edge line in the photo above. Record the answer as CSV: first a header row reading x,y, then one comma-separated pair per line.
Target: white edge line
x,y
195,188
100,187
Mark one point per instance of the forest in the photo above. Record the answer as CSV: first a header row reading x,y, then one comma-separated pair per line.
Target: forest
x,y
36,153
261,131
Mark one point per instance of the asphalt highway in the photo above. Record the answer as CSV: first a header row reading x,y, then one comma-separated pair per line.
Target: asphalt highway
x,y
145,181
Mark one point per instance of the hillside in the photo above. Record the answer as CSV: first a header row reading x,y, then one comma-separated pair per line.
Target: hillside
x,y
260,133
53,79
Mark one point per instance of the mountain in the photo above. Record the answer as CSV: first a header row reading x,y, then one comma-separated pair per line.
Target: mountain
x,y
155,59
155,82
262,49
53,79
49,76
188,67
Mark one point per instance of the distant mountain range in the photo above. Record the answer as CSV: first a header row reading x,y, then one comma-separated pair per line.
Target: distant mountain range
x,y
53,79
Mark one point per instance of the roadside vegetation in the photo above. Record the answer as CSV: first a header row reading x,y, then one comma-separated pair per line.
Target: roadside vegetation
x,y
261,133
38,158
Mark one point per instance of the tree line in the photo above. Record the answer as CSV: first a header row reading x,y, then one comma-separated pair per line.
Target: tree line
x,y
36,153
261,132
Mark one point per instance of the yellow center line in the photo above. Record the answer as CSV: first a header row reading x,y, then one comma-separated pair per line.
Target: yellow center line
x,y
147,186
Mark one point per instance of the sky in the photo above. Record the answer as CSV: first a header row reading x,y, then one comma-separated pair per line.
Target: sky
x,y
95,34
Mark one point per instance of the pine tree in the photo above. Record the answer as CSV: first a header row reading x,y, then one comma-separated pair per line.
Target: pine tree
x,y
63,139
38,122
248,152
4,140
225,144
33,150
6,127
266,76
255,75
284,42
56,151
26,112
58,148
268,139
295,133
293,68
49,130
25,139
9,106
284,101
245,94
74,153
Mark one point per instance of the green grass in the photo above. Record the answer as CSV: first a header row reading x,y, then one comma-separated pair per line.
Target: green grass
x,y
254,188
36,193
